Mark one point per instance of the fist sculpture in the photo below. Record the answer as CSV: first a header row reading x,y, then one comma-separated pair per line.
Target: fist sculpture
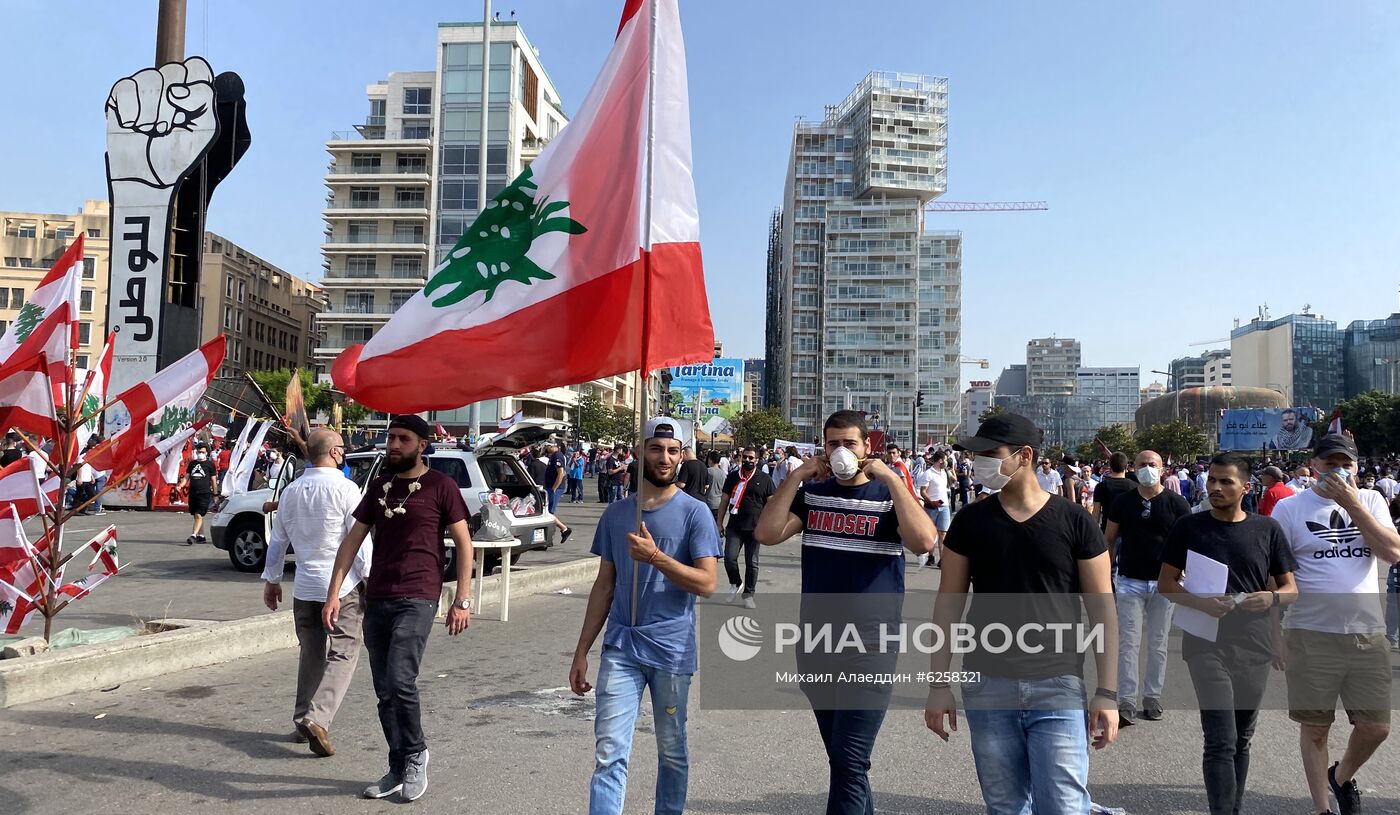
x,y
160,122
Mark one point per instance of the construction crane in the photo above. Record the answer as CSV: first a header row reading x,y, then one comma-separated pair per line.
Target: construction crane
x,y
986,206
981,363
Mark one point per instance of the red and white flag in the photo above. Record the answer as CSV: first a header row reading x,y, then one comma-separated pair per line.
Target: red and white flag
x,y
14,543
32,379
81,587
1335,426
19,488
60,286
21,591
104,551
604,221
95,382
190,375
162,459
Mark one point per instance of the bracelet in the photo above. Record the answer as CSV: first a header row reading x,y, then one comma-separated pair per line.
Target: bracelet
x,y
654,553
1105,693
940,686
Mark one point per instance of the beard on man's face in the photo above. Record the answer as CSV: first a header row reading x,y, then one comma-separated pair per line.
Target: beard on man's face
x,y
402,463
659,477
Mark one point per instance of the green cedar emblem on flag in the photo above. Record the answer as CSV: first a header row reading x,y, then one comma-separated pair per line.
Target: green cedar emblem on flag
x,y
27,320
492,250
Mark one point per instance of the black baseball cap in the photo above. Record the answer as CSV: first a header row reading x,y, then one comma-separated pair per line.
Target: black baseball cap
x,y
413,423
1335,443
1002,430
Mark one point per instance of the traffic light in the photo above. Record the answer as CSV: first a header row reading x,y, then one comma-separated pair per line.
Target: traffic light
x,y
919,399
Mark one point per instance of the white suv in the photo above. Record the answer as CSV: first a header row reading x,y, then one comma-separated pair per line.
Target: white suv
x,y
239,526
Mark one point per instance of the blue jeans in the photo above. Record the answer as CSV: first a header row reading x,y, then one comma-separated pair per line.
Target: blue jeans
x,y
1392,605
1030,742
621,681
616,493
1141,610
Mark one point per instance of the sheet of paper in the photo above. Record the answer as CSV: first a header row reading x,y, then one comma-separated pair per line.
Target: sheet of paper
x,y
1205,577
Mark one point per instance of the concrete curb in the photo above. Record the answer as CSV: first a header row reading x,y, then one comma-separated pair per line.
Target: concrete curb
x,y
525,582
91,667
198,643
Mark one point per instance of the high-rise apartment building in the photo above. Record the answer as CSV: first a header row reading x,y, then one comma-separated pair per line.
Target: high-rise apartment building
x,y
977,400
1153,390
1299,355
1115,391
1052,365
30,244
867,304
1210,369
403,187
268,315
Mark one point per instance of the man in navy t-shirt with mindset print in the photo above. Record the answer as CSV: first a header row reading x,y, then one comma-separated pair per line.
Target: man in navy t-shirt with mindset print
x,y
856,516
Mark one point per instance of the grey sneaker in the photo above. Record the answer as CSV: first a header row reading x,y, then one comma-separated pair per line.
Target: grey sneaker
x,y
415,777
749,603
391,783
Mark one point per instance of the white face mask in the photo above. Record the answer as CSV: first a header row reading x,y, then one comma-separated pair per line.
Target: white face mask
x,y
987,471
1148,476
844,464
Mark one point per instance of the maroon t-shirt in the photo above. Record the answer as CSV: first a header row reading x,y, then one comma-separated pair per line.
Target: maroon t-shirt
x,y
409,553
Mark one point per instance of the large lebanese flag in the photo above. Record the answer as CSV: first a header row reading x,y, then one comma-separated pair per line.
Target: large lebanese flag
x,y
604,222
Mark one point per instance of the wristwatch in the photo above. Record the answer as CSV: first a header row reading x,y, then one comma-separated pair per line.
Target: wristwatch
x,y
465,605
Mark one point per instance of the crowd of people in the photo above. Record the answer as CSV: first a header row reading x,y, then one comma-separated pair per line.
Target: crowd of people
x,y
1297,546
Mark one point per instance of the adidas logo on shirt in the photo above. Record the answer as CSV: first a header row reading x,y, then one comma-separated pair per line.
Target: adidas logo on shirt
x,y
1339,530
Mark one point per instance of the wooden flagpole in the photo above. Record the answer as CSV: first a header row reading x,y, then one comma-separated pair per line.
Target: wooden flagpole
x,y
643,373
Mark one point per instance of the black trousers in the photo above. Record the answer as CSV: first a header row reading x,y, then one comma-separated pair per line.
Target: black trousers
x,y
1229,693
395,633
734,540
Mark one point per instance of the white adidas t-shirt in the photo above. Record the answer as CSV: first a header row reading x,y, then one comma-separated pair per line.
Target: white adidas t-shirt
x,y
1334,561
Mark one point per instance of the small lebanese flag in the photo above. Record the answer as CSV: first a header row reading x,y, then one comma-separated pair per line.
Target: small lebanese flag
x,y
61,285
96,383
21,590
162,460
604,221
104,548
19,488
31,380
183,382
14,544
1336,425
508,423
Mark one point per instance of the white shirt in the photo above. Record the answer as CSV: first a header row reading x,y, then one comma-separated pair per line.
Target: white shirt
x,y
1300,485
724,463
1387,487
787,468
1050,482
313,513
85,473
932,484
1333,559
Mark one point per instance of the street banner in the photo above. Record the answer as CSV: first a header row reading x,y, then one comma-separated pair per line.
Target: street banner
x,y
604,221
803,448
1267,428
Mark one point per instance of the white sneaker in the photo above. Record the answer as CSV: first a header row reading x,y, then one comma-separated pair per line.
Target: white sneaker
x,y
749,603
922,560
733,593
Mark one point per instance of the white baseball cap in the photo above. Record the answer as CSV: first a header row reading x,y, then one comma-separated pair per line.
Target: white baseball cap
x,y
665,427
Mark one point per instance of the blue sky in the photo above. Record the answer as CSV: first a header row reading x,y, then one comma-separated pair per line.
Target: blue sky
x,y
1200,158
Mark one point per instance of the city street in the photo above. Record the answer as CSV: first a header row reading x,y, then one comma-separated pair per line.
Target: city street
x,y
507,736
165,578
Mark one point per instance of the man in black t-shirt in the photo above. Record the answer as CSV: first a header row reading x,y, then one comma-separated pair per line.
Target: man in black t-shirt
x,y
10,452
746,492
693,478
1113,485
1229,674
1141,520
1041,549
200,480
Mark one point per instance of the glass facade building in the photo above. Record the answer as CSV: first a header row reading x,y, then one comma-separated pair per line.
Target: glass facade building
x,y
1371,350
864,304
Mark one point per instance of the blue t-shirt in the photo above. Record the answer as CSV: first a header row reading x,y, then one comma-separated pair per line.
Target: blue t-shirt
x,y
850,538
664,636
576,469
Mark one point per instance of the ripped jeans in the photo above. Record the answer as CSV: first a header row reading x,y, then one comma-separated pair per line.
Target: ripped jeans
x,y
621,682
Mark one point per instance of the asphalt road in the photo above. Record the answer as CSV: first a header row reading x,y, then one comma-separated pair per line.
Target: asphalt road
x,y
507,737
162,577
